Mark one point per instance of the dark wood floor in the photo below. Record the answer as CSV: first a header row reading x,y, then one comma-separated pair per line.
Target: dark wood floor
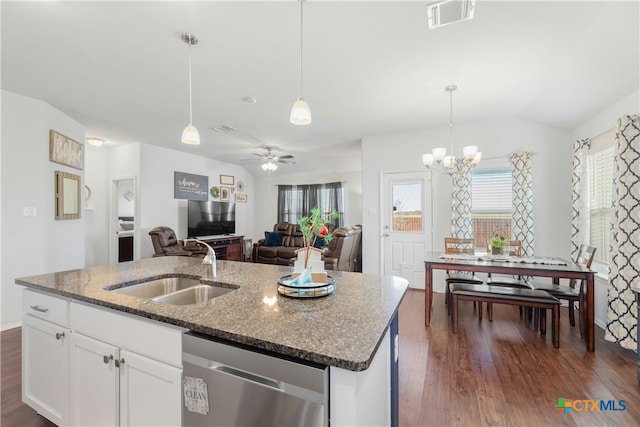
x,y
490,374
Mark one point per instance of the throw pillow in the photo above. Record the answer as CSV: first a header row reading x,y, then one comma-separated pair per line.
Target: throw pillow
x,y
319,243
273,238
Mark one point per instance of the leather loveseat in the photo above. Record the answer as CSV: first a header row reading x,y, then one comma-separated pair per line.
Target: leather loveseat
x,y
279,247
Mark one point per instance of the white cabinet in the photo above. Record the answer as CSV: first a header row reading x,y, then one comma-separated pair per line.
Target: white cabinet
x,y
45,355
113,379
94,382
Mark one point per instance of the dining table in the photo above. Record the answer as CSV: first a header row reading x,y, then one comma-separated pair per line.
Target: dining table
x,y
538,266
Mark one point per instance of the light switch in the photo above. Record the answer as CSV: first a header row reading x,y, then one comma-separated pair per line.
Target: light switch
x,y
372,211
29,211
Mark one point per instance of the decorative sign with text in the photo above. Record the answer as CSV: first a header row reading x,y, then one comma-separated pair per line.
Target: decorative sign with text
x,y
190,186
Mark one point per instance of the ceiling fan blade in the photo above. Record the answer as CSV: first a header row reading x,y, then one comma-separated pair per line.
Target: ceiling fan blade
x,y
287,162
286,156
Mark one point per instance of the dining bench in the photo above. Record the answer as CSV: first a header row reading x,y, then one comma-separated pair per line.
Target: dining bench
x,y
513,296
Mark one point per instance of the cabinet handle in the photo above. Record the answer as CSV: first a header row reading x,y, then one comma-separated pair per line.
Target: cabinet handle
x,y
107,359
119,362
59,335
40,309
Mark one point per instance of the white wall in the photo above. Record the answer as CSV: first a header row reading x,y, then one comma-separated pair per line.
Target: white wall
x,y
157,205
96,208
403,152
267,197
34,244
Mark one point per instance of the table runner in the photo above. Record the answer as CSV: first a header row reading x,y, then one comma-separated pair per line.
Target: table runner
x,y
505,258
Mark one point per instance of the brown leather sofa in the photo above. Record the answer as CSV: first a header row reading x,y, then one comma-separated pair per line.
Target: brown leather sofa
x,y
282,253
343,251
165,243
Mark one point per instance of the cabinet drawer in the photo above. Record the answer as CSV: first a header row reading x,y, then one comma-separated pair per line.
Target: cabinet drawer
x,y
52,308
149,338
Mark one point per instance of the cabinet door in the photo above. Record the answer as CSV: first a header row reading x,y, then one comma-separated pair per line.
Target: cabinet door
x,y
150,392
45,355
94,382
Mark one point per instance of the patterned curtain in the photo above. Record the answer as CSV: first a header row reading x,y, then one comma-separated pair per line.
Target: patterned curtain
x,y
461,222
624,248
522,219
580,224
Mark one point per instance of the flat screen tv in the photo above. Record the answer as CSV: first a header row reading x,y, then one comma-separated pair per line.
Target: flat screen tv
x,y
208,218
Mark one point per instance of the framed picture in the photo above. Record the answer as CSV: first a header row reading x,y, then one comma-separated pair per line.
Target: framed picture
x,y
227,180
67,186
241,198
65,150
224,194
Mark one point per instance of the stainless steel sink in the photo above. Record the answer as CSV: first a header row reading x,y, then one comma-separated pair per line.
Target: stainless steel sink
x,y
195,295
157,287
174,290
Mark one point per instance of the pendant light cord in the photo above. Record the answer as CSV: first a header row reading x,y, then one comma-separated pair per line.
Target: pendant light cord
x,y
301,43
451,122
190,96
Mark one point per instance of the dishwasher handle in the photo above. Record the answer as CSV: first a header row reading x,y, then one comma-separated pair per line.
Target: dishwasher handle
x,y
267,382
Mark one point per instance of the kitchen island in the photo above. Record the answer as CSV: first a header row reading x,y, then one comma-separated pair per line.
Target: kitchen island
x,y
343,331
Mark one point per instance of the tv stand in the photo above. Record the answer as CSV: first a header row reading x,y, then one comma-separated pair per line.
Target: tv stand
x,y
227,247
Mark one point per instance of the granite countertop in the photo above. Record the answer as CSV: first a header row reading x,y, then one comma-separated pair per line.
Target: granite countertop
x,y
343,329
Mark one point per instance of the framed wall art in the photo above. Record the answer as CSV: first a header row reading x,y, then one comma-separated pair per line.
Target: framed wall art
x,y
227,180
67,191
190,186
241,198
65,151
224,194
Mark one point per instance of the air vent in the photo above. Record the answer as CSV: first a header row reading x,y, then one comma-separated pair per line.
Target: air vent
x,y
449,11
224,128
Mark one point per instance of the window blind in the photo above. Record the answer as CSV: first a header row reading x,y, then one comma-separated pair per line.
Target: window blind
x,y
600,167
491,192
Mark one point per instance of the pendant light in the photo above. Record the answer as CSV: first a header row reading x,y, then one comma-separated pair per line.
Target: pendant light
x,y
439,155
300,112
190,134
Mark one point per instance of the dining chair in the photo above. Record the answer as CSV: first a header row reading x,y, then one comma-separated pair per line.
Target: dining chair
x,y
454,245
512,248
584,258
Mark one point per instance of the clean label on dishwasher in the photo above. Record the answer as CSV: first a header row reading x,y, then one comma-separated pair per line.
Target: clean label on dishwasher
x,y
196,398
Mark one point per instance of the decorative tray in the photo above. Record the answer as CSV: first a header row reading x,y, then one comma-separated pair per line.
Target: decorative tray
x,y
314,290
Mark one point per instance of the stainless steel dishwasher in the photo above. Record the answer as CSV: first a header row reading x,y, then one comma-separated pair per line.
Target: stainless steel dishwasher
x,y
225,385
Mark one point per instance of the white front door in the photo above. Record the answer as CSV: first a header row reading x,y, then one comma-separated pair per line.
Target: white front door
x,y
407,224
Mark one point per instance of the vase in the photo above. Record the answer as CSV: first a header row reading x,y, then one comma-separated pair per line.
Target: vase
x,y
497,251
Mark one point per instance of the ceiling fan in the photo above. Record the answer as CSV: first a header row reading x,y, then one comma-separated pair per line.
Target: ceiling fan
x,y
269,159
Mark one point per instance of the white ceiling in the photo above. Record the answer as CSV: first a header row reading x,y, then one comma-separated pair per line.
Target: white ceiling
x,y
370,68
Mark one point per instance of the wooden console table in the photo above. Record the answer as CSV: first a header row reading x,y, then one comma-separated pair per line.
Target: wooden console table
x,y
230,248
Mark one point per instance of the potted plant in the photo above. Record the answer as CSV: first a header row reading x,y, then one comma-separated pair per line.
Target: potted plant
x,y
497,242
313,227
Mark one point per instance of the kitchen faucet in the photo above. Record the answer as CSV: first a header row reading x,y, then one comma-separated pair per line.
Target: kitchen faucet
x,y
210,258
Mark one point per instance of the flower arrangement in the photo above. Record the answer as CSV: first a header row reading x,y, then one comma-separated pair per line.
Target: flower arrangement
x,y
313,227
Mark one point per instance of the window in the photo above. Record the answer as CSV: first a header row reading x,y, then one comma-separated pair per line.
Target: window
x,y
600,164
407,206
295,201
491,204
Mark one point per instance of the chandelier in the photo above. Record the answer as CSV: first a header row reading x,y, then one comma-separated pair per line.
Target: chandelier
x,y
439,161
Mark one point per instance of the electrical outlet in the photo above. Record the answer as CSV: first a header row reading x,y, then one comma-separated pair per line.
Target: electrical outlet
x,y
29,211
